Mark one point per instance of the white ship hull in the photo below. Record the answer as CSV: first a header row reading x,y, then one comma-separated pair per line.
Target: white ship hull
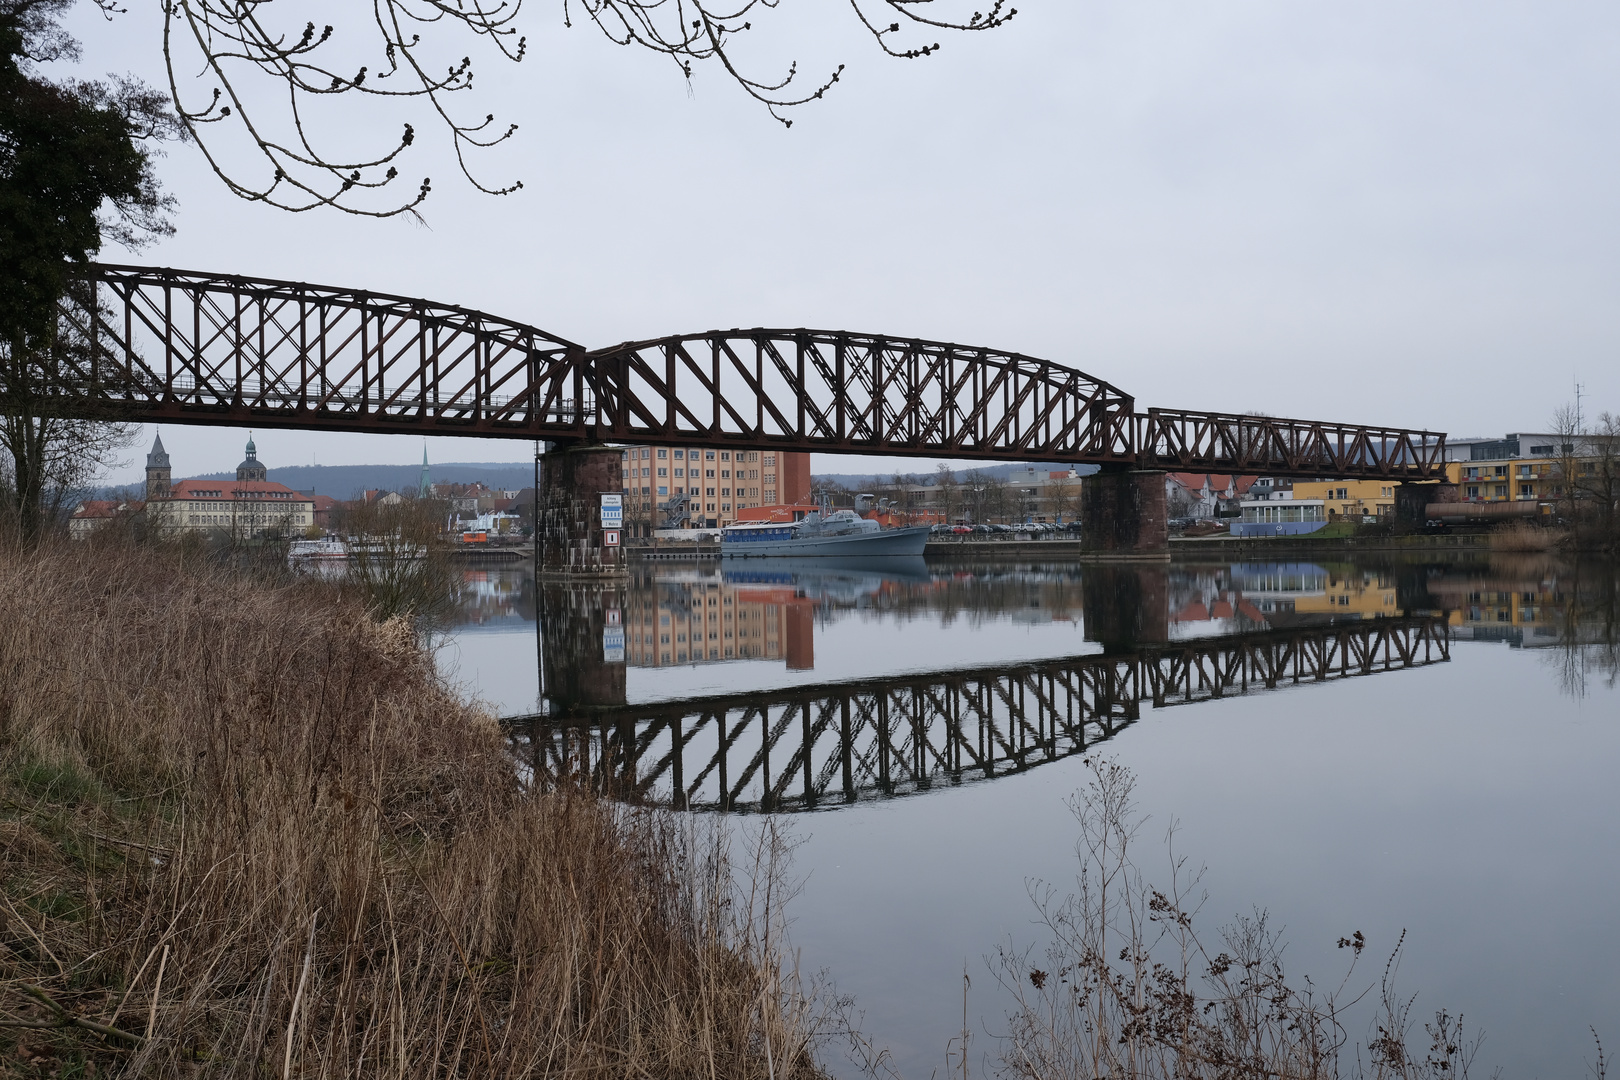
x,y
889,542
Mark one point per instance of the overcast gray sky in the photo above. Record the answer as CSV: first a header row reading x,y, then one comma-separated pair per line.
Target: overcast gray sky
x,y
1389,212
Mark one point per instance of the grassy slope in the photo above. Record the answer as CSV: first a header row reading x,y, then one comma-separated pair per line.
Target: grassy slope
x,y
249,831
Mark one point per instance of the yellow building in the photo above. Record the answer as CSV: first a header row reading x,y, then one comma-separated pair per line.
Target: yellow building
x,y
1353,499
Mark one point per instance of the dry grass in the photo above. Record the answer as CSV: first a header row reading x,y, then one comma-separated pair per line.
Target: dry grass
x,y
1522,536
246,831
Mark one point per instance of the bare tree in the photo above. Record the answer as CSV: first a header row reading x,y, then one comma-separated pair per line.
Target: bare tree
x,y
1063,498
949,496
276,83
51,449
1588,470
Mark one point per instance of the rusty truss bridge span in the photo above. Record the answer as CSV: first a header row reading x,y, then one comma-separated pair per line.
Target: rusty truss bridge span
x,y
178,346
813,746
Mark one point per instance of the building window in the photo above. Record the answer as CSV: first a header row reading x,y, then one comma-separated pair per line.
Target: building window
x,y
708,455
678,455
661,454
725,455
663,491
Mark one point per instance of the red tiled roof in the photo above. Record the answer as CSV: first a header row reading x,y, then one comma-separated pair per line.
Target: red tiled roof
x,y
106,508
1192,481
233,489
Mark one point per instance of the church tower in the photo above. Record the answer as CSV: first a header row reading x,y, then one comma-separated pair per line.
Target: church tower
x,y
250,469
158,474
424,486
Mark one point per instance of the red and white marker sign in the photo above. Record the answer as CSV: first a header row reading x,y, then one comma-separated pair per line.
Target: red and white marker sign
x,y
610,538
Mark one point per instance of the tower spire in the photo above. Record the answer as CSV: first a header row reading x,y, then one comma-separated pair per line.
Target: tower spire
x,y
424,487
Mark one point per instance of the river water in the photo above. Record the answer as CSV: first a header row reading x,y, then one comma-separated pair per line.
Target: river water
x,y
1370,745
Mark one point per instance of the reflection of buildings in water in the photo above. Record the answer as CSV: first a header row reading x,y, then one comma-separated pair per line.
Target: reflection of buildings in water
x,y
702,618
1247,596
1494,607
495,595
769,612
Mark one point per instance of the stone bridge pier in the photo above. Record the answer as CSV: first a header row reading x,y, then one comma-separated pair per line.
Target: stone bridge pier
x,y
573,479
1123,513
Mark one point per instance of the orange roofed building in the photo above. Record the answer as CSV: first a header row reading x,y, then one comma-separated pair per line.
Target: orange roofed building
x,y
249,506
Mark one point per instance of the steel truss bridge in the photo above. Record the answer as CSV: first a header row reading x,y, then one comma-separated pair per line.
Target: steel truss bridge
x,y
183,347
813,746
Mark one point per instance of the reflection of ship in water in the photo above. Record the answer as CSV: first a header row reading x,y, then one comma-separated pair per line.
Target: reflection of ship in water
x,y
836,743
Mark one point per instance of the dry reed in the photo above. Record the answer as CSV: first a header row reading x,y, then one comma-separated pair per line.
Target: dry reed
x,y
1522,536
246,831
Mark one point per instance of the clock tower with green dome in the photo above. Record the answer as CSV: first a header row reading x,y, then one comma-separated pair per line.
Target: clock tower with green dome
x,y
251,469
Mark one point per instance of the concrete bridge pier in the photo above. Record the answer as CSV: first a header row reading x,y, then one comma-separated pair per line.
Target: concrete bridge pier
x,y
1123,513
573,479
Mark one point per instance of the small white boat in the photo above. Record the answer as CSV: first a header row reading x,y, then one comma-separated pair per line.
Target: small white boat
x,y
318,550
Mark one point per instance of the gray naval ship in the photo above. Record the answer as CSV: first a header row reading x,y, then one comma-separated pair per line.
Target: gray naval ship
x,y
842,533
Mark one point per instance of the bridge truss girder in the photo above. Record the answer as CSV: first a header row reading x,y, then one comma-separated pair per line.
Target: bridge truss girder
x,y
184,347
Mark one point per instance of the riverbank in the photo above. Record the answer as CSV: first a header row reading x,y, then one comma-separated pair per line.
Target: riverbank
x,y
246,829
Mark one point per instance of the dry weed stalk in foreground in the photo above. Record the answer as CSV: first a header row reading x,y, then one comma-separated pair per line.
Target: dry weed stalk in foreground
x,y
246,831
1130,991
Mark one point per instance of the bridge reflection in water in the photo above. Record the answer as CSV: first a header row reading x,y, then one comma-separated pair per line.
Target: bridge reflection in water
x,y
810,747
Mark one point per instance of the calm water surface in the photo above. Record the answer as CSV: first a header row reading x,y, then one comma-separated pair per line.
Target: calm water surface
x,y
1355,746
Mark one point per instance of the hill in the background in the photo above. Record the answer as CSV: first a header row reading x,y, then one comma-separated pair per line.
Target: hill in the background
x,y
855,481
347,481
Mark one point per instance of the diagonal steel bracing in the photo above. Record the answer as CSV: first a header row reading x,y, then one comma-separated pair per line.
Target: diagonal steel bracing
x,y
186,347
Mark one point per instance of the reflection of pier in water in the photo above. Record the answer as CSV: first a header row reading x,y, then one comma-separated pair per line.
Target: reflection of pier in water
x,y
810,746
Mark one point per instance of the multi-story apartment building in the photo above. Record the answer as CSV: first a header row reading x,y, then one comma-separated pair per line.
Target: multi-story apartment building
x,y
712,484
1516,467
